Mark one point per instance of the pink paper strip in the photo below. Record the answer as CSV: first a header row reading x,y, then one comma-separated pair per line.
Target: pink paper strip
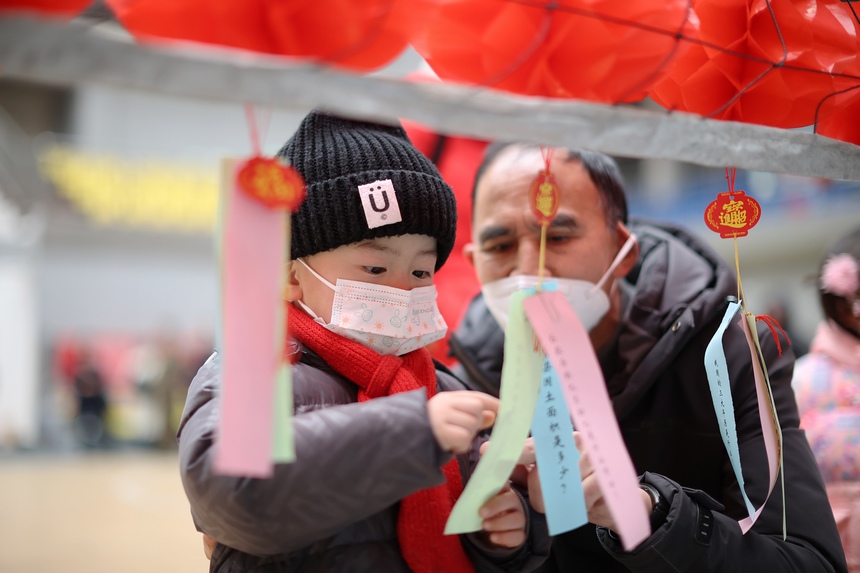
x,y
252,265
769,424
567,345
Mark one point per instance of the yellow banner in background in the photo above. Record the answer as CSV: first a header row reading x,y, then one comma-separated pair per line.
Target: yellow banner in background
x,y
151,194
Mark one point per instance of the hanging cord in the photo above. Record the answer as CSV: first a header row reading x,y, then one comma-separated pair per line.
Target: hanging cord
x,y
254,133
546,153
730,179
770,321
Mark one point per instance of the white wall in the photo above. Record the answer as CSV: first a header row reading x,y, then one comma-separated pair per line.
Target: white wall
x,y
111,283
19,366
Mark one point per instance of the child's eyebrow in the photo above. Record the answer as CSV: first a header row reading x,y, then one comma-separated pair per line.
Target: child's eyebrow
x,y
372,245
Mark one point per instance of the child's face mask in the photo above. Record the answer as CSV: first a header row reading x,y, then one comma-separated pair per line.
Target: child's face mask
x,y
386,319
588,300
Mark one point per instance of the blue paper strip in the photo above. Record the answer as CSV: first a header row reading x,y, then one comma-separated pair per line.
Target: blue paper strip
x,y
721,394
557,457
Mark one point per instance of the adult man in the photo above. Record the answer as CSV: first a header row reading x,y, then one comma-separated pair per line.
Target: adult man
x,y
667,297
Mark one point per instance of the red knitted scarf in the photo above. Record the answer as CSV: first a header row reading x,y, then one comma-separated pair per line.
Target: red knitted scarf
x,y
423,514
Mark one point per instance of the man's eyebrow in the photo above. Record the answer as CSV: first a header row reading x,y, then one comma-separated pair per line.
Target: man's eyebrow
x,y
564,220
561,221
493,232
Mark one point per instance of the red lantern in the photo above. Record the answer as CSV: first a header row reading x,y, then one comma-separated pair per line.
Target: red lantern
x,y
599,50
275,185
732,214
543,197
57,8
362,35
735,70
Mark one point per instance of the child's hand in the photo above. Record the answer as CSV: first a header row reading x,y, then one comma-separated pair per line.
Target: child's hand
x,y
505,519
457,417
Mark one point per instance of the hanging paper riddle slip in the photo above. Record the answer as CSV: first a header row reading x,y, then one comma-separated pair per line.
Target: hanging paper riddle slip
x,y
721,395
518,394
769,422
557,457
256,198
568,347
718,379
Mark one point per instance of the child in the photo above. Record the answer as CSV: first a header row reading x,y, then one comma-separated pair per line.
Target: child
x,y
375,421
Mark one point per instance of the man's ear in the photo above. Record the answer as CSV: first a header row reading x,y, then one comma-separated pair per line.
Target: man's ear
x,y
469,253
626,264
293,290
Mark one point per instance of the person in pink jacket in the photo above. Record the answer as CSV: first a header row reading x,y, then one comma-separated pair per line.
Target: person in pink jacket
x,y
827,385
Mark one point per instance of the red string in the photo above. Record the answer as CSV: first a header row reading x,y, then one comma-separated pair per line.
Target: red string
x,y
773,325
252,129
731,179
546,153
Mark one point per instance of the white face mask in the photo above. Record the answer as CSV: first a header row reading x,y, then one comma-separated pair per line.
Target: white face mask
x,y
386,319
587,299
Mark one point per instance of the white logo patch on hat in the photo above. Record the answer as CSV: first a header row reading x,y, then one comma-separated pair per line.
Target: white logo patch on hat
x,y
380,203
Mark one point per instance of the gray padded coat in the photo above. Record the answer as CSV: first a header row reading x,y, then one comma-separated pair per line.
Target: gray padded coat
x,y
335,508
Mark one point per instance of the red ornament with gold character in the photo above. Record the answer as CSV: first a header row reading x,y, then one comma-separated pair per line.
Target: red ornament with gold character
x,y
732,214
543,197
276,185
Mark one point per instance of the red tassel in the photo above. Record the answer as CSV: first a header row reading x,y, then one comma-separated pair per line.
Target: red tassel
x,y
773,325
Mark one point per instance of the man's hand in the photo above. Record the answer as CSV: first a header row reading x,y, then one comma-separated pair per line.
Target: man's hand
x,y
595,503
526,474
457,417
505,519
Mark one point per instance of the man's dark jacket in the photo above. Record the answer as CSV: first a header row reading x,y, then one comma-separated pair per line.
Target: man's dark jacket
x,y
335,508
674,300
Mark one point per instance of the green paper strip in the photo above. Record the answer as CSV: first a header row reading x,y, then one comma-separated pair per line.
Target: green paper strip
x,y
521,376
283,445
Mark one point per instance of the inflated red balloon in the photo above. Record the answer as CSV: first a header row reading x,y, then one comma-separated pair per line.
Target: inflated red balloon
x,y
738,69
59,8
600,50
361,35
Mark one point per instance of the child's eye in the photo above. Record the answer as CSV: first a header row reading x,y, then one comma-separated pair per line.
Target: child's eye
x,y
375,270
422,274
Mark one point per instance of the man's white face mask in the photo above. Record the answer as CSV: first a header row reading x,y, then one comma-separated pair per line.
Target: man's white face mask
x,y
588,300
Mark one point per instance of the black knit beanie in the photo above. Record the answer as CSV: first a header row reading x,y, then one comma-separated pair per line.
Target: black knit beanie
x,y
365,181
